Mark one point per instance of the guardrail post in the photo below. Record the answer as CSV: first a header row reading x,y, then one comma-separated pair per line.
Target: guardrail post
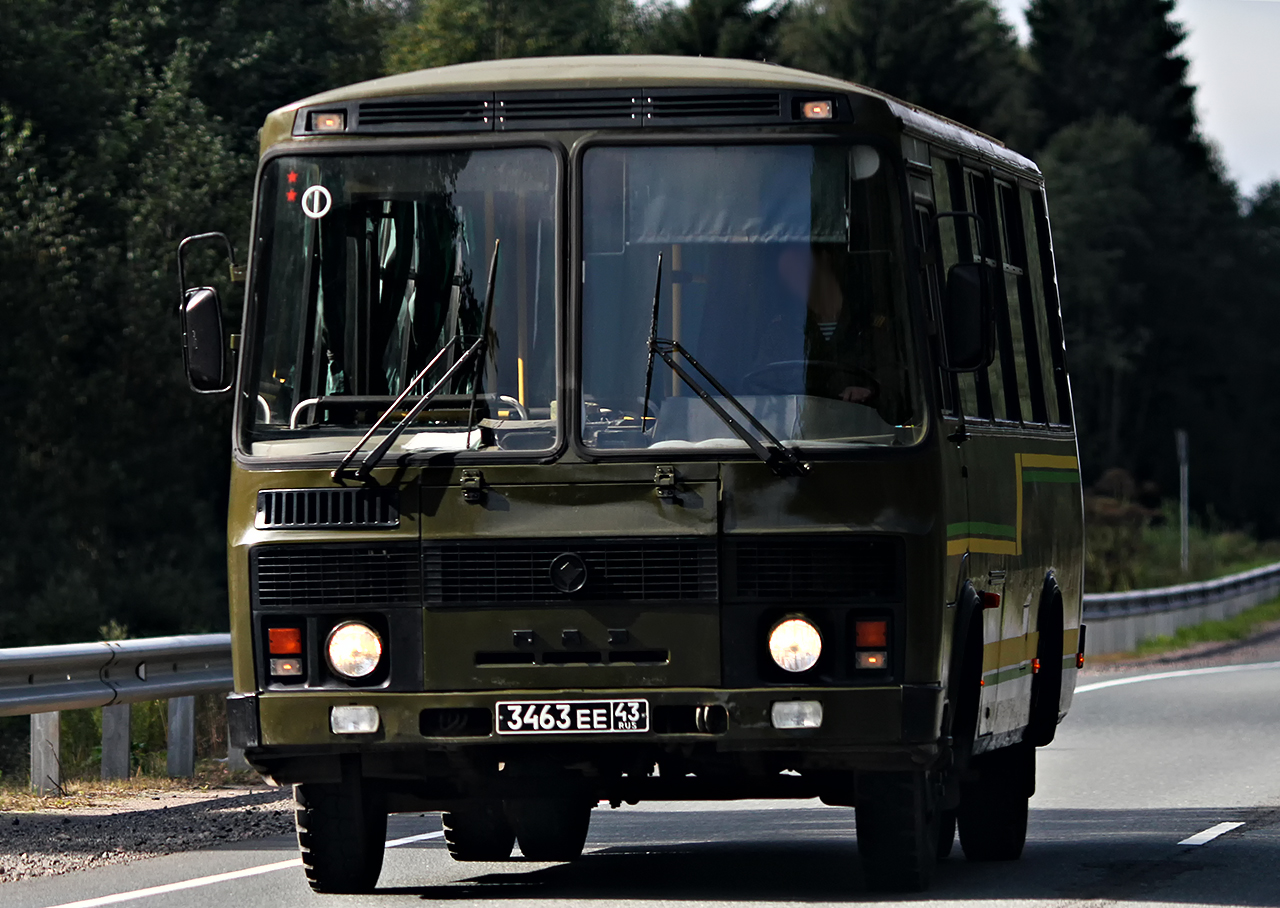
x,y
182,737
46,762
115,741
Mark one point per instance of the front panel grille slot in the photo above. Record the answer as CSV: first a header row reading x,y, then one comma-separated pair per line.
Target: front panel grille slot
x,y
291,576
816,568
326,509
663,569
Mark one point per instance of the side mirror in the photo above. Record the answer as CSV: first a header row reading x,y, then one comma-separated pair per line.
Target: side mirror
x,y
966,318
203,343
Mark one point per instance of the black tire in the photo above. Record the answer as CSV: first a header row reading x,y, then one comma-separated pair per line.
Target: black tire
x,y
992,817
1046,686
342,832
897,820
478,831
550,829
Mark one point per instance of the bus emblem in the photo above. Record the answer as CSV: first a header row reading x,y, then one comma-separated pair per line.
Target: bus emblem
x,y
568,573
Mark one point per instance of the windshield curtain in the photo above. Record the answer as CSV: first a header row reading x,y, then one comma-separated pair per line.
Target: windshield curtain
x,y
369,265
781,274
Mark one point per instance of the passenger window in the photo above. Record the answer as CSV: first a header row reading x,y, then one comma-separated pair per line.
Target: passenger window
x,y
947,190
1017,302
993,399
1045,321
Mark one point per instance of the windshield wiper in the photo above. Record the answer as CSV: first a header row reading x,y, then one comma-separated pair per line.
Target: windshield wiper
x,y
777,456
476,350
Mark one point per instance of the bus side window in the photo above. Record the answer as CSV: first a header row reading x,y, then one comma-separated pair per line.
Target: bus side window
x,y
926,242
1044,306
994,398
949,196
1013,264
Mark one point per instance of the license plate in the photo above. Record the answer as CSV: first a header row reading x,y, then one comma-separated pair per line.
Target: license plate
x,y
568,717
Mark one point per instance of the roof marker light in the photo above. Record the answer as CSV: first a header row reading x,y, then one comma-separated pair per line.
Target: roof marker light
x,y
817,110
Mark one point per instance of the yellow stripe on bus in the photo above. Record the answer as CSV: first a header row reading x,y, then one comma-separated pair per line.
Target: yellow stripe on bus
x,y
1055,461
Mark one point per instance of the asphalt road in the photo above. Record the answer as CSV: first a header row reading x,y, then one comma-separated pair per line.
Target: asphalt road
x,y
1138,769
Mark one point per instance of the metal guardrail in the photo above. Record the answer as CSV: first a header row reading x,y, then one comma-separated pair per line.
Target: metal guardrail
x,y
1262,580
37,679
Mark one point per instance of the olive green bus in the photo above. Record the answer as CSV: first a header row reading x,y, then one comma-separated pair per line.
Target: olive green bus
x,y
612,429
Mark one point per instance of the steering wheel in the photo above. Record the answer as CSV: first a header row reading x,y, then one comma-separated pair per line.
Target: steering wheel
x,y
787,376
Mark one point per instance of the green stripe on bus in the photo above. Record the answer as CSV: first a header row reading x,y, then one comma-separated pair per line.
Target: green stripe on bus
x,y
978,526
1051,476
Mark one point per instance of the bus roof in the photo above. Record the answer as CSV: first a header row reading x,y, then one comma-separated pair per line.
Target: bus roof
x,y
630,71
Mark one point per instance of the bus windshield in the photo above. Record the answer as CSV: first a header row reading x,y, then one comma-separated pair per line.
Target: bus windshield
x,y
782,276
370,266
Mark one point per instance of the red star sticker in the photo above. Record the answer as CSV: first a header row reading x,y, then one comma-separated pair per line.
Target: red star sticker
x,y
293,177
291,195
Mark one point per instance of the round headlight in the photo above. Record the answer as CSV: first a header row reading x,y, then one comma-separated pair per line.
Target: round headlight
x,y
354,649
795,645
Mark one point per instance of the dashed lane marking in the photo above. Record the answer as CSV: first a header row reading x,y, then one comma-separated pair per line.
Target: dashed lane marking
x,y
1210,834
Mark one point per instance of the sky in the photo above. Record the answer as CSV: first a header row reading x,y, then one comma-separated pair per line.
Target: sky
x,y
1234,49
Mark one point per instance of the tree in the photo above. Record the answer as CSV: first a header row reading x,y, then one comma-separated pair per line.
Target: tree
x,y
464,31
1117,58
712,28
958,58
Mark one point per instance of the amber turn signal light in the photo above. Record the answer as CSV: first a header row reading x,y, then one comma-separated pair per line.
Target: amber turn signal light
x,y
284,641
871,634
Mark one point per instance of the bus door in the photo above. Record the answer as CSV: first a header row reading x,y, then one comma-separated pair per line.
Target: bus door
x,y
988,531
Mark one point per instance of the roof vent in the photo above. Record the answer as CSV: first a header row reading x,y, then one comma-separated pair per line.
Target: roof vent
x,y
425,114
544,109
712,107
326,509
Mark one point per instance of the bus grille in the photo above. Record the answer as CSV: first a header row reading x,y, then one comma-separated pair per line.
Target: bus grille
x,y
661,569
326,509
815,568
338,576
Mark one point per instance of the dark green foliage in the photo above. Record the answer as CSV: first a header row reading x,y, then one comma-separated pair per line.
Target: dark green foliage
x,y
958,58
712,28
464,31
1116,58
111,151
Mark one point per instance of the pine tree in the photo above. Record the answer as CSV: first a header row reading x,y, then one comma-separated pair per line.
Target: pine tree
x,y
464,31
713,28
1117,58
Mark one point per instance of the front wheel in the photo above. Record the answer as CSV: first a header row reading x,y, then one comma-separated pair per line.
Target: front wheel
x,y
993,807
550,829
897,820
342,831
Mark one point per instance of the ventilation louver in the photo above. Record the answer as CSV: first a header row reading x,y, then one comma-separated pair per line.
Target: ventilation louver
x,y
326,509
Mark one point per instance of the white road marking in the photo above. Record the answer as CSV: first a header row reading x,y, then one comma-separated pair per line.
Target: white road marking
x,y
1182,673
1210,834
218,878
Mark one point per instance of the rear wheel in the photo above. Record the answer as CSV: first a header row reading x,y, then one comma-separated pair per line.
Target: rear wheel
x,y
478,831
342,831
993,806
897,820
550,829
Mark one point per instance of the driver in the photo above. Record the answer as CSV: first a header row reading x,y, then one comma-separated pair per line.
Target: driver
x,y
834,345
